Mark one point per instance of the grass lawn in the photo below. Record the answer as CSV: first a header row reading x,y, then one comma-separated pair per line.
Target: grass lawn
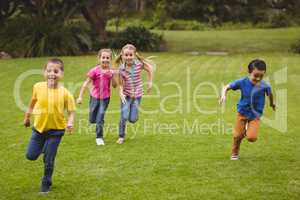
x,y
181,149
232,41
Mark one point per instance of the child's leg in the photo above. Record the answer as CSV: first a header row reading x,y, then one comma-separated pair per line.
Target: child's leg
x,y
239,133
252,130
125,108
100,117
134,110
93,110
35,146
51,147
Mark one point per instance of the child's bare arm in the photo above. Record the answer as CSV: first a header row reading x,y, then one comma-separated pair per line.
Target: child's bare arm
x,y
149,69
224,93
70,123
120,83
271,100
26,120
115,80
82,89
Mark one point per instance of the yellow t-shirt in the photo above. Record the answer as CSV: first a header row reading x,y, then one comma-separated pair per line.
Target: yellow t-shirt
x,y
50,106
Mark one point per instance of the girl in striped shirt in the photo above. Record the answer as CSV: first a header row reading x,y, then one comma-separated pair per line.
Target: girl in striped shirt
x,y
131,85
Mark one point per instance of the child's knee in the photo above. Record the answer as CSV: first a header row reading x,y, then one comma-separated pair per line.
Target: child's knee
x,y
124,119
251,139
100,123
124,116
132,120
31,156
239,136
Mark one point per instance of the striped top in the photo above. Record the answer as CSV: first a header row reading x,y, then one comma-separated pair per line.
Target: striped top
x,y
132,79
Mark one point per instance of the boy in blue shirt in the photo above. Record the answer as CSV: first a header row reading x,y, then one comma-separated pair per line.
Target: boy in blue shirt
x,y
251,105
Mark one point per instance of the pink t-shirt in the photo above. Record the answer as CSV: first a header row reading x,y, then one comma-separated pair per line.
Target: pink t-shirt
x,y
100,81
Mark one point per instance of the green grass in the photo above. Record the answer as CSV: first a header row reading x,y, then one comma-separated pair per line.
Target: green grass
x,y
158,164
232,41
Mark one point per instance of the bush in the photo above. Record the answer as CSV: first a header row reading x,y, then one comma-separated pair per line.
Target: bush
x,y
296,47
276,20
183,25
171,24
125,23
30,37
280,20
141,37
234,26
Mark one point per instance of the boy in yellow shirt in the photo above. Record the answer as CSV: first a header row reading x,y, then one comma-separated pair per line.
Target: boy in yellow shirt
x,y
48,103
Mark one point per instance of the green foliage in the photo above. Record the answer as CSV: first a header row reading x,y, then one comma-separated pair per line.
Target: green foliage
x,y
296,47
141,37
184,25
216,12
160,15
31,37
123,23
280,20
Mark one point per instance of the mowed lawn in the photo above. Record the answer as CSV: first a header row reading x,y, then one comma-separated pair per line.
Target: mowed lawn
x,y
232,41
180,147
180,150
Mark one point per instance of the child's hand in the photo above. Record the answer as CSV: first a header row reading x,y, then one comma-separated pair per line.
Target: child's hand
x,y
149,89
70,128
123,98
222,99
79,100
273,106
26,122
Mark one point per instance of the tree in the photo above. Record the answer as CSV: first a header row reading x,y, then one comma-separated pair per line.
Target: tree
x,y
95,12
7,9
57,11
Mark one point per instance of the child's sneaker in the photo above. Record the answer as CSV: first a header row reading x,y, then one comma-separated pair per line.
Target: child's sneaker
x,y
45,188
99,141
234,157
120,140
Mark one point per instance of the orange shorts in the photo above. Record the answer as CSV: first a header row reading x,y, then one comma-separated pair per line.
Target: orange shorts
x,y
247,127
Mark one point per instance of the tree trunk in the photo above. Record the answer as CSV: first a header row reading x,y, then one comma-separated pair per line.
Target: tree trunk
x,y
95,12
142,6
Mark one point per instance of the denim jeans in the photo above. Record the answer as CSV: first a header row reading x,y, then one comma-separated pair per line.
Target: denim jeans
x,y
98,108
46,143
129,111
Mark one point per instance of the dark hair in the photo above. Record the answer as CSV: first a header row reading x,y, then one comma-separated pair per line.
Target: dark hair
x,y
258,64
56,61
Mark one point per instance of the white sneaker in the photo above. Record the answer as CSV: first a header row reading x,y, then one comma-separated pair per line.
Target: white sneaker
x,y
120,140
234,157
99,141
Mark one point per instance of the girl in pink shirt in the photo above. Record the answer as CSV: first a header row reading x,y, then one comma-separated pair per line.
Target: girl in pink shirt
x,y
101,76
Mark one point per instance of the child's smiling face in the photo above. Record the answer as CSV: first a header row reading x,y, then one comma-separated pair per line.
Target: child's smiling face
x,y
128,56
53,73
105,59
256,75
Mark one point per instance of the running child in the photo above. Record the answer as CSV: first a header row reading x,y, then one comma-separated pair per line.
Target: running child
x,y
48,103
251,105
101,76
131,85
